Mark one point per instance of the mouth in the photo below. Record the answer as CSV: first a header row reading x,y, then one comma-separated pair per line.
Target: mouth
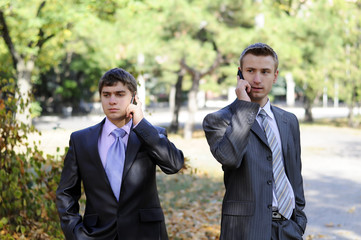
x,y
256,89
113,109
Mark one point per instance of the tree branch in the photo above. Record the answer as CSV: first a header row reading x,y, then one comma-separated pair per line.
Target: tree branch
x,y
41,38
8,41
40,7
189,69
216,62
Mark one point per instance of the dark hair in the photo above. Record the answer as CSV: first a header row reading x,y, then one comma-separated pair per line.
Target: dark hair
x,y
111,77
259,49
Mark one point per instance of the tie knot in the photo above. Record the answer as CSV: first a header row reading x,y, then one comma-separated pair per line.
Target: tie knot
x,y
262,114
118,132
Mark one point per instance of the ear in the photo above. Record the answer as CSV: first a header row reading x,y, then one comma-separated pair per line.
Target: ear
x,y
275,77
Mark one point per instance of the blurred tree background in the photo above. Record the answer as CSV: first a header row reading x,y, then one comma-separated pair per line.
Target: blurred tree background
x,y
53,53
59,49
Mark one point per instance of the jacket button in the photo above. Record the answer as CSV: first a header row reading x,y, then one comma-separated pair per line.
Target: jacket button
x,y
269,206
269,158
269,182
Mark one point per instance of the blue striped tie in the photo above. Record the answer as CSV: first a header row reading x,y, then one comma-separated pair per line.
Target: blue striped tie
x,y
115,161
282,190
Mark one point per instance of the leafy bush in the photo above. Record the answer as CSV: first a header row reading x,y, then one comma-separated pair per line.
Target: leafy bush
x,y
28,180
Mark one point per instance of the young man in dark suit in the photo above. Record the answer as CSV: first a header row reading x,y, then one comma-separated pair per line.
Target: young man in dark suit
x,y
118,171
258,146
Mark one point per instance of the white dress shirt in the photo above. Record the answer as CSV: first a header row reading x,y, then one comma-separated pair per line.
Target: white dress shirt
x,y
273,124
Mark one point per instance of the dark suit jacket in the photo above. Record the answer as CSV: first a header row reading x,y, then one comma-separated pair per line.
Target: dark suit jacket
x,y
138,214
237,141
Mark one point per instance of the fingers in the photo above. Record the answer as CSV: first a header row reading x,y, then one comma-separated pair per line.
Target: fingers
x,y
137,101
242,89
135,111
248,87
243,84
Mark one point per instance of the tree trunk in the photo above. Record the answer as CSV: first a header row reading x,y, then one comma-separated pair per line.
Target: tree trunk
x,y
24,65
308,110
351,117
24,70
174,126
192,107
192,96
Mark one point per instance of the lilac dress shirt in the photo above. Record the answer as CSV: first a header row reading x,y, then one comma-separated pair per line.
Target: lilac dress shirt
x,y
106,139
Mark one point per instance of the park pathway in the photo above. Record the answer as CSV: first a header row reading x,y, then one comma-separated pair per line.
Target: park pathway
x,y
331,158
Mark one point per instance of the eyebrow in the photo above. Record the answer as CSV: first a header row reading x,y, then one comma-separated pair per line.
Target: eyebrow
x,y
121,91
262,69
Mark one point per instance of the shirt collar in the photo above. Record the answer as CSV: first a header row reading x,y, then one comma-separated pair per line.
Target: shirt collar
x,y
267,109
109,127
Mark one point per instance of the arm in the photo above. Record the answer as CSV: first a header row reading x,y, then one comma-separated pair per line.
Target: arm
x,y
300,216
166,155
68,194
227,132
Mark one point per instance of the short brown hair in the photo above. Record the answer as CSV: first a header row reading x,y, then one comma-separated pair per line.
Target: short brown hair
x,y
111,77
259,49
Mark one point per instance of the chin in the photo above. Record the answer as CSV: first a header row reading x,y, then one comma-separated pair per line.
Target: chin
x,y
257,99
115,116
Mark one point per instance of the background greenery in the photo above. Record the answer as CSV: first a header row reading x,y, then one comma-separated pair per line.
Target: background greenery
x,y
61,48
58,50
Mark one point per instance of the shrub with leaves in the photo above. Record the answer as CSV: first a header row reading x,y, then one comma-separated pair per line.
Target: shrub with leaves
x,y
28,180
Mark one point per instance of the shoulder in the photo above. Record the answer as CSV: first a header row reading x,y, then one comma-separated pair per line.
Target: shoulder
x,y
226,111
284,113
243,109
144,126
160,129
223,114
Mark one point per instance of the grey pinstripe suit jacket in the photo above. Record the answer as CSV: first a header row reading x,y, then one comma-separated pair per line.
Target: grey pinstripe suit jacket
x,y
237,141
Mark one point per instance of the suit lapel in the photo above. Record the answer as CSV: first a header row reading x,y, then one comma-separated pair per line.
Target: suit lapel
x,y
283,128
256,128
132,150
93,148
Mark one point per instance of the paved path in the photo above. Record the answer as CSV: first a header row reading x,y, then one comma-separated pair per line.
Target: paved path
x,y
332,179
331,168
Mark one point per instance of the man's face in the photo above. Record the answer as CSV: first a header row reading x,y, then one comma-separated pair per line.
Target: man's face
x,y
115,100
259,72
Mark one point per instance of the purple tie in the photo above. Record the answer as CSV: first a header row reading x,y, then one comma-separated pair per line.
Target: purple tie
x,y
115,161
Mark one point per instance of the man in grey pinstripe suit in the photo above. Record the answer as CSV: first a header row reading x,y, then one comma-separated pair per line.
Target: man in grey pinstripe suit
x,y
235,134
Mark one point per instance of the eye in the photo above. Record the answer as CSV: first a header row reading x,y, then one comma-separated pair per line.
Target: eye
x,y
120,94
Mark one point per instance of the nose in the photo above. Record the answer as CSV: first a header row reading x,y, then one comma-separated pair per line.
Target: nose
x,y
257,78
112,99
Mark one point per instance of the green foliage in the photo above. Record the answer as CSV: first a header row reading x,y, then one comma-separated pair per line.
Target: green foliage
x,y
35,109
317,41
28,180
